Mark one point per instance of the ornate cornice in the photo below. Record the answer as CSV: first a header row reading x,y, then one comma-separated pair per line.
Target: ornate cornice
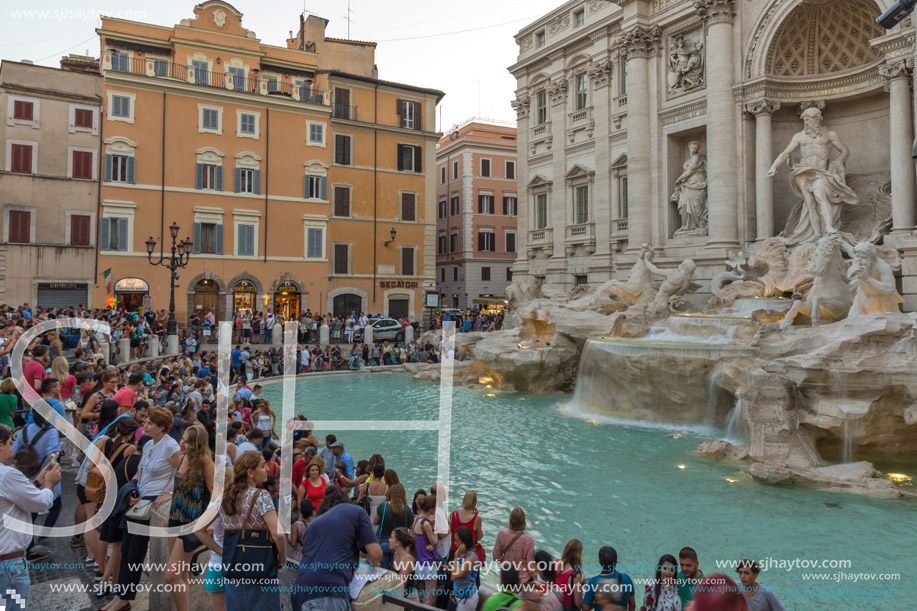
x,y
683,112
557,90
897,68
715,11
793,90
762,107
807,104
601,74
521,106
641,41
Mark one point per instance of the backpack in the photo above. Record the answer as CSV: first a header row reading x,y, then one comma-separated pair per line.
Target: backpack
x,y
27,459
95,483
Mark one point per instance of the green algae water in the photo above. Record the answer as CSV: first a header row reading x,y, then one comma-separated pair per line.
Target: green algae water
x,y
638,488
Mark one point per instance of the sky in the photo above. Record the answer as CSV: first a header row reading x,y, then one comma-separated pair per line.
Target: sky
x,y
461,48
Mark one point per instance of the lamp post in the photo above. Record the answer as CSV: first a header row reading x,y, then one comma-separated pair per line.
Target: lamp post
x,y
392,233
181,253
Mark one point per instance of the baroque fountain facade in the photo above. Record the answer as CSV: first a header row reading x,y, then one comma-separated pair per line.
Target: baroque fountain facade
x,y
747,247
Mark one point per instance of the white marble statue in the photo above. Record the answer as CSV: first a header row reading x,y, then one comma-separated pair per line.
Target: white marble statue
x,y
676,282
872,281
817,179
830,297
691,193
638,288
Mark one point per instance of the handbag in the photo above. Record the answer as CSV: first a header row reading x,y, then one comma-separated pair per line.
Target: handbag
x,y
142,509
249,553
95,483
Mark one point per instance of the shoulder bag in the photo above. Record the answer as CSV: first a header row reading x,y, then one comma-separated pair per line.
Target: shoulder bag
x,y
249,553
381,522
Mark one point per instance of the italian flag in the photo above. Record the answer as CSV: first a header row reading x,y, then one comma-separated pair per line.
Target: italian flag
x,y
107,274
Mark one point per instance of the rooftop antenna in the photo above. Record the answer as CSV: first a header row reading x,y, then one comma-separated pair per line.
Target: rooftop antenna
x,y
348,19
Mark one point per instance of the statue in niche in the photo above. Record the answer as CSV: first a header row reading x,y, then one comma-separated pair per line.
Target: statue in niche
x,y
872,280
686,65
638,287
817,179
691,193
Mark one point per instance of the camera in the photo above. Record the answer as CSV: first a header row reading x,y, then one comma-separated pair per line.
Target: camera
x,y
898,11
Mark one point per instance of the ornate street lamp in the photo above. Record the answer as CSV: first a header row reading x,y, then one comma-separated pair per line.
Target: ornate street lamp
x,y
392,233
181,253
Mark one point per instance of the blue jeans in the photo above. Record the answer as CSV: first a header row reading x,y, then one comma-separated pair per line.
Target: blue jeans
x,y
328,603
251,596
14,576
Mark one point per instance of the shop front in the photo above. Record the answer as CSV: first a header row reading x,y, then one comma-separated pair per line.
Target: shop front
x,y
287,299
62,294
490,305
244,296
130,293
207,298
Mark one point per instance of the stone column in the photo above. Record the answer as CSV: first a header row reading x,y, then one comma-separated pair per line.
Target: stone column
x,y
409,334
764,156
324,334
641,43
601,77
722,166
368,336
898,73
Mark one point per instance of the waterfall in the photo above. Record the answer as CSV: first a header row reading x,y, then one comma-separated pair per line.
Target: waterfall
x,y
745,307
851,413
735,426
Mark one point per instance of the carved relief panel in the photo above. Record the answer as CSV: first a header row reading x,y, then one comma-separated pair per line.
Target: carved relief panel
x,y
684,62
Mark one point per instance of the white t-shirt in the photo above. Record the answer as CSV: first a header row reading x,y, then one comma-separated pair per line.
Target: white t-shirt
x,y
216,560
442,548
156,471
246,446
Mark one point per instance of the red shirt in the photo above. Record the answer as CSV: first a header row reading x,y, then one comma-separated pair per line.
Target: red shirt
x,y
34,370
66,389
124,397
299,471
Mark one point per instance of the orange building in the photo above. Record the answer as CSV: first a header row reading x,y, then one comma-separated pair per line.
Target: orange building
x,y
303,180
476,211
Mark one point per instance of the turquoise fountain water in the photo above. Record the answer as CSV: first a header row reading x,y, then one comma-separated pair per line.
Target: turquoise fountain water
x,y
637,487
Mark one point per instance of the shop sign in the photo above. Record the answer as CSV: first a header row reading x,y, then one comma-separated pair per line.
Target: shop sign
x,y
131,285
61,285
244,287
399,284
287,287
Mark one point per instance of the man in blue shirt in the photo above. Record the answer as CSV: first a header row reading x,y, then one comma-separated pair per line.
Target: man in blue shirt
x,y
236,359
327,455
609,589
331,552
50,391
337,448
46,444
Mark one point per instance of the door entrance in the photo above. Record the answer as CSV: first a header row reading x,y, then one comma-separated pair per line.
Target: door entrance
x,y
398,307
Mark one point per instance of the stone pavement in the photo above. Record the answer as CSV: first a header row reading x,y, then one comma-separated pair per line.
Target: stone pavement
x,y
67,566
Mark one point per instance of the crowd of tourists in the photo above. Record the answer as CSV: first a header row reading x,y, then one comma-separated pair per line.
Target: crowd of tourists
x,y
156,423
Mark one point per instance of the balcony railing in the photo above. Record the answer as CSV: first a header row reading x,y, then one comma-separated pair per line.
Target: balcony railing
x,y
541,236
160,68
620,103
580,117
581,233
540,130
619,227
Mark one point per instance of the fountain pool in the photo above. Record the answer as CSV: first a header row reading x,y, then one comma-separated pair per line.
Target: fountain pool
x,y
609,482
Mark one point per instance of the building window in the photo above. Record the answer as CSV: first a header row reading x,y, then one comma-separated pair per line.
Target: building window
x,y
485,168
455,274
21,158
454,170
581,86
161,67
210,120
341,201
454,206
509,205
541,211
342,149
442,175
20,227
120,61
407,261
510,242
485,204
441,209
246,240
208,238
113,233
119,168
579,18
341,108
541,107
342,258
581,197
408,207
511,170
248,180
624,197
409,114
238,77
82,165
23,111
316,187
540,39
121,106
82,117
209,176
315,243
201,72
485,274
453,242
409,158
442,274
580,279
509,274
271,83
486,241
316,134
79,230
441,244
247,124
